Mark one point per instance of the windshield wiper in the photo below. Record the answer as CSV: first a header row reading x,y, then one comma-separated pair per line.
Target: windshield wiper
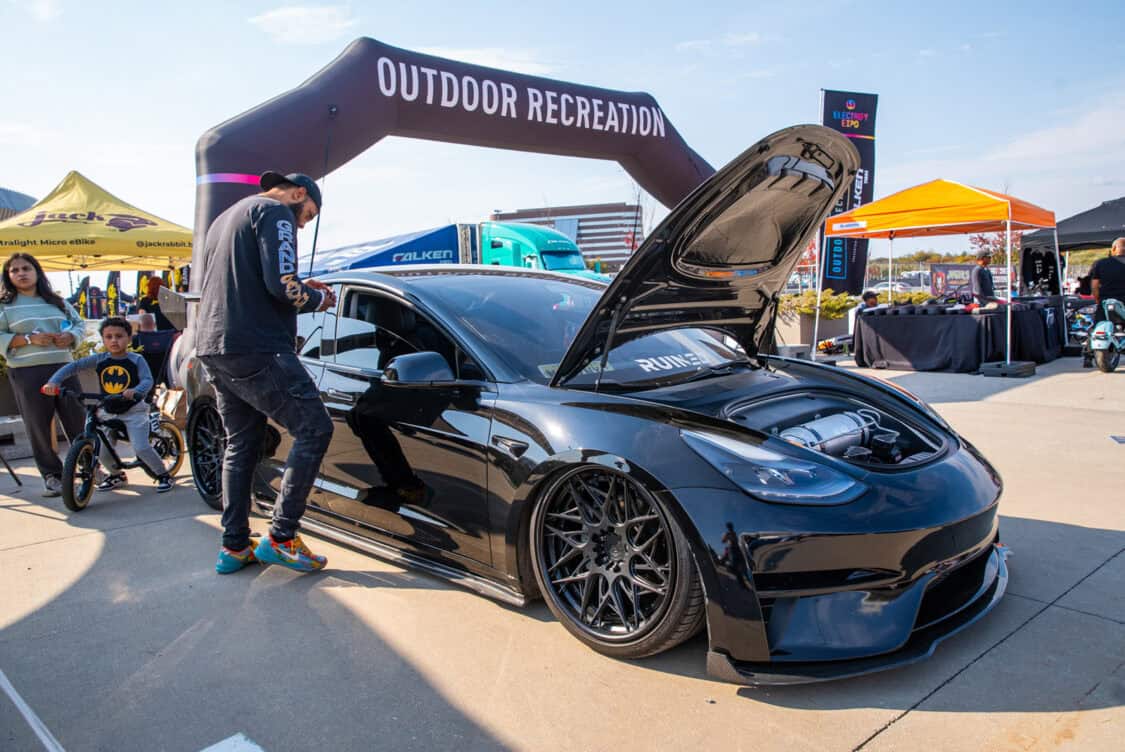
x,y
726,368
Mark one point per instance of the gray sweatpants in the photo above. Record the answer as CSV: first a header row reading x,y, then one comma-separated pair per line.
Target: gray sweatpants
x,y
136,423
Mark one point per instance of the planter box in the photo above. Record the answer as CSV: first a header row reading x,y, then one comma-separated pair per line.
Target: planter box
x,y
798,329
828,328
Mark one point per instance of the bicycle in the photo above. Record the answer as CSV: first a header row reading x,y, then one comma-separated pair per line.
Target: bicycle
x,y
82,460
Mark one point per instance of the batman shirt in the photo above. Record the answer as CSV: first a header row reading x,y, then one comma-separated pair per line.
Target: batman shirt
x,y
115,375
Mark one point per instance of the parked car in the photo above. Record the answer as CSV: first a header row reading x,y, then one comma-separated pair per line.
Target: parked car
x,y
631,453
895,287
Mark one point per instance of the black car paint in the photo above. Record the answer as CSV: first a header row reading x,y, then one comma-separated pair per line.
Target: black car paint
x,y
775,575
904,529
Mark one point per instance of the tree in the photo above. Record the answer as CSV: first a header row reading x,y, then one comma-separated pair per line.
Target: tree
x,y
996,243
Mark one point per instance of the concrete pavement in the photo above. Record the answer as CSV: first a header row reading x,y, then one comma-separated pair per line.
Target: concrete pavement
x,y
117,633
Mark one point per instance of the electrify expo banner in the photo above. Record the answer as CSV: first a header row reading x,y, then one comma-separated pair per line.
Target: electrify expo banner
x,y
853,114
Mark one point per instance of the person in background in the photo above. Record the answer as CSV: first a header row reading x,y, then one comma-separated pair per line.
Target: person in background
x,y
1107,278
154,346
38,333
869,299
124,376
150,303
980,280
1107,282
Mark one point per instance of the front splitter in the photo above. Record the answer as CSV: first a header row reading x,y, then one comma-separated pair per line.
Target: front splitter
x,y
919,647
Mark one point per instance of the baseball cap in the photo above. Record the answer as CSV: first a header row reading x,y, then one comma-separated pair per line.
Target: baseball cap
x,y
271,179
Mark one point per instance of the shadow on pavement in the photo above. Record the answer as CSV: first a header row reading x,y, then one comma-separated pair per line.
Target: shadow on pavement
x,y
1055,666
176,657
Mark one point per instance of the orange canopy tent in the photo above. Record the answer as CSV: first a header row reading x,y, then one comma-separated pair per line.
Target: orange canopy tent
x,y
940,207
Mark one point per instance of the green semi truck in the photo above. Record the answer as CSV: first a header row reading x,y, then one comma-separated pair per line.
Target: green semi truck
x,y
501,243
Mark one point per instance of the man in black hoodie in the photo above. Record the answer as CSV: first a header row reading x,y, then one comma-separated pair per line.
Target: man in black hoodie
x,y
245,336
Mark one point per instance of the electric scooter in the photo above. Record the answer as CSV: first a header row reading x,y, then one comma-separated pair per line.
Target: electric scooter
x,y
1107,338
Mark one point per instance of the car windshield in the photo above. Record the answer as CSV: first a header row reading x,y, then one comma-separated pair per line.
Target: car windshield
x,y
530,322
563,261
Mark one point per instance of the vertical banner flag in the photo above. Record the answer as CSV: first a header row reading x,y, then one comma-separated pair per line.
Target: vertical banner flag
x,y
853,114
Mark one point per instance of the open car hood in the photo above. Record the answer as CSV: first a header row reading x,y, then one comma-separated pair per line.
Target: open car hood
x,y
723,254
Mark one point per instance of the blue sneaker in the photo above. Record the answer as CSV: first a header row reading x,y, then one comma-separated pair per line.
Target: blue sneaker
x,y
232,561
293,554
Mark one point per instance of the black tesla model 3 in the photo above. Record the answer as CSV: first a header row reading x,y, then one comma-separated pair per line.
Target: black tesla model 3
x,y
631,453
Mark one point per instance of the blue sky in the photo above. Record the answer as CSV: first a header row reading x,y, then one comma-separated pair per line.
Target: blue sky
x,y
1025,97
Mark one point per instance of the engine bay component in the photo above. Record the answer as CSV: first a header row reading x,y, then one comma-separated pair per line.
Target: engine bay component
x,y
839,426
835,434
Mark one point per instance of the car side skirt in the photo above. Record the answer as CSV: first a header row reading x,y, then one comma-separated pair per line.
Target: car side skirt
x,y
468,580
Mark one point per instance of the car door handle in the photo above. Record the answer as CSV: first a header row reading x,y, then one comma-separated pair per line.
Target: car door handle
x,y
513,447
342,396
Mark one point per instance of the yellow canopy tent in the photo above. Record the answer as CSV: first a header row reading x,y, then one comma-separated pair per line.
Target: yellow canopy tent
x,y
940,207
81,226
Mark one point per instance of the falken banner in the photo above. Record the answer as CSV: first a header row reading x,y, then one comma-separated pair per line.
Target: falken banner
x,y
853,114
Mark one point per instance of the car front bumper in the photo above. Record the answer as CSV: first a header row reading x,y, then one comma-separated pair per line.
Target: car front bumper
x,y
938,607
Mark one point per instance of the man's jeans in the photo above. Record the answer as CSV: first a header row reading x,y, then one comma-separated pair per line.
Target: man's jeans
x,y
249,388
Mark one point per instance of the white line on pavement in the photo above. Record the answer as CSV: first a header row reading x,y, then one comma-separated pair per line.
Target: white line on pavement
x,y
44,734
237,743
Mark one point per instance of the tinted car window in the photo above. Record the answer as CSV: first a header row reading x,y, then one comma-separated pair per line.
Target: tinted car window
x,y
374,329
531,321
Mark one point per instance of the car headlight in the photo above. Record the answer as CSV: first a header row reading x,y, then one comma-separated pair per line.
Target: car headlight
x,y
774,477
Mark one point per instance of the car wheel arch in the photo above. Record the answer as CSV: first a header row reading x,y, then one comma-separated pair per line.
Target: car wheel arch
x,y
541,480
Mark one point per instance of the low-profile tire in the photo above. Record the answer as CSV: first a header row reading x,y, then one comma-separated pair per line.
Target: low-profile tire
x,y
613,565
1107,359
207,442
168,442
78,476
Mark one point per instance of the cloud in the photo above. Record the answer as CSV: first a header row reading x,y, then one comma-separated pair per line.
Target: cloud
x,y
933,150
40,10
926,53
761,73
21,134
520,61
305,25
1067,167
1095,134
739,40
727,44
694,45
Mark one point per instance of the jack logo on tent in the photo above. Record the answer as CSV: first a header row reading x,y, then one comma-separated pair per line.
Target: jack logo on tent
x,y
122,222
45,217
126,222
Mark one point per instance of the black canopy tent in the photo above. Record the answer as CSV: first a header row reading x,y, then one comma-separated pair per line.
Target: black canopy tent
x,y
1093,228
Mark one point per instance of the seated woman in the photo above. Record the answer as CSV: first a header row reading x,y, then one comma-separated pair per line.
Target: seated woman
x,y
150,303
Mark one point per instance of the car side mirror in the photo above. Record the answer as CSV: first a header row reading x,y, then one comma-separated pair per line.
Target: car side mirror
x,y
418,369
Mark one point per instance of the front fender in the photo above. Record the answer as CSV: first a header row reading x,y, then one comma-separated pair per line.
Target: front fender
x,y
1101,336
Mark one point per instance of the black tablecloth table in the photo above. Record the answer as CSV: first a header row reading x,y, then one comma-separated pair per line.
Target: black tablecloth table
x,y
952,342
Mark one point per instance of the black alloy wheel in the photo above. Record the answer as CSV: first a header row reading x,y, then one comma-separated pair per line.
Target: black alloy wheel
x,y
614,567
78,474
207,442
